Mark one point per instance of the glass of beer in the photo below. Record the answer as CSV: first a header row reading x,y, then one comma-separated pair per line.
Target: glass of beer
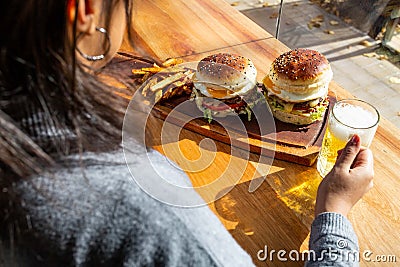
x,y
348,117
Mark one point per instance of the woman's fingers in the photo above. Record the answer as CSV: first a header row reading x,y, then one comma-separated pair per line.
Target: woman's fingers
x,y
349,153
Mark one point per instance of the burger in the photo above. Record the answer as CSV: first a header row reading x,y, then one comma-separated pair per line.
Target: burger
x,y
296,87
224,84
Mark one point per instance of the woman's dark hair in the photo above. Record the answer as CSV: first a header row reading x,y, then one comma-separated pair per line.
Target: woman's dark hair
x,y
49,106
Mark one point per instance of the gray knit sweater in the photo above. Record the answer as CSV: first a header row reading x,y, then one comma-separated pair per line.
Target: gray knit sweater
x,y
97,216
333,242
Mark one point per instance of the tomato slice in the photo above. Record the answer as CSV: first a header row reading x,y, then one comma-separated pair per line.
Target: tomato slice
x,y
222,106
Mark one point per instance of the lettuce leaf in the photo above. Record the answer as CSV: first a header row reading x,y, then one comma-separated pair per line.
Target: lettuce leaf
x,y
318,113
207,115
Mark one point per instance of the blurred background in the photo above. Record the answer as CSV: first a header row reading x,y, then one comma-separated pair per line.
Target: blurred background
x,y
361,39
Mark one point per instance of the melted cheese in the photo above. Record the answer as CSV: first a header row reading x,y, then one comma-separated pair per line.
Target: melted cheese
x,y
218,93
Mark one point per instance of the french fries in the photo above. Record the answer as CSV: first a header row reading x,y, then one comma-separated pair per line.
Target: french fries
x,y
154,69
138,71
165,81
172,62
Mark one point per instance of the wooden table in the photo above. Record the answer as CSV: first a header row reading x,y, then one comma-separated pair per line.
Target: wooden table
x,y
279,213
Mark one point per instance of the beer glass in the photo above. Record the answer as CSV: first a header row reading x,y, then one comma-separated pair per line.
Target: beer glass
x,y
348,117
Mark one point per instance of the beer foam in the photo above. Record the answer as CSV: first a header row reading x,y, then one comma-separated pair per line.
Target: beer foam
x,y
353,120
354,116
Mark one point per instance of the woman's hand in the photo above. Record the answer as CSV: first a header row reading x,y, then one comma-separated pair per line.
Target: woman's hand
x,y
349,180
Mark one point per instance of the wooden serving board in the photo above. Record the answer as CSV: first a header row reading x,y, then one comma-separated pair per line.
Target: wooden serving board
x,y
289,142
299,144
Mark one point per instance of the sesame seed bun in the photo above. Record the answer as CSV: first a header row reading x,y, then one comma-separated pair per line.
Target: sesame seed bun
x,y
229,71
302,72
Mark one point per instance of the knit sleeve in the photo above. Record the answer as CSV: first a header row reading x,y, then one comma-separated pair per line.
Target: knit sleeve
x,y
100,217
333,242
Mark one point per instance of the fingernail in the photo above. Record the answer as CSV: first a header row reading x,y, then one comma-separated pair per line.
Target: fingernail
x,y
354,140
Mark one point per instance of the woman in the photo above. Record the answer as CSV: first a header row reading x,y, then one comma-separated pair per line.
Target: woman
x,y
67,197
61,204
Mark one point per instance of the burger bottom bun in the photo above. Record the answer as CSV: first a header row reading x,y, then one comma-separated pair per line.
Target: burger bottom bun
x,y
293,118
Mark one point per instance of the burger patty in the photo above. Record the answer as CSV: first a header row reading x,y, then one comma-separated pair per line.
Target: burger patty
x,y
304,107
233,100
237,103
313,108
288,106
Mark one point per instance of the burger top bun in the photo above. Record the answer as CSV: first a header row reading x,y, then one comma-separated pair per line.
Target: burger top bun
x,y
300,71
225,71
